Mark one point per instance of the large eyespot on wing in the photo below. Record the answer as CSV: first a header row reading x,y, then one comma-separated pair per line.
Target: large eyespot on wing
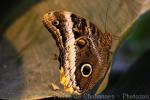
x,y
86,70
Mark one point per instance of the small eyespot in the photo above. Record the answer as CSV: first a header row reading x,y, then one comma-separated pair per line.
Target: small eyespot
x,y
86,70
56,22
81,42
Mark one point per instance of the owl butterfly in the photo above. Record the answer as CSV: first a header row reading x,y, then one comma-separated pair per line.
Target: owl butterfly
x,y
84,51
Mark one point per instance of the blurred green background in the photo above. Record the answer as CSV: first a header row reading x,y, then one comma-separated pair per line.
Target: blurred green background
x,y
131,66
135,44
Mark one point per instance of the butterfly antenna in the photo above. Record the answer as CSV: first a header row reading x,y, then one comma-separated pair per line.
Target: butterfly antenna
x,y
105,23
106,17
106,20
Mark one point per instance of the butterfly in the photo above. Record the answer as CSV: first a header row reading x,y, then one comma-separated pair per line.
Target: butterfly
x,y
84,51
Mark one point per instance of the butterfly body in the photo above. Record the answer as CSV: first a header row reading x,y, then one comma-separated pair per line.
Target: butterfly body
x,y
84,50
